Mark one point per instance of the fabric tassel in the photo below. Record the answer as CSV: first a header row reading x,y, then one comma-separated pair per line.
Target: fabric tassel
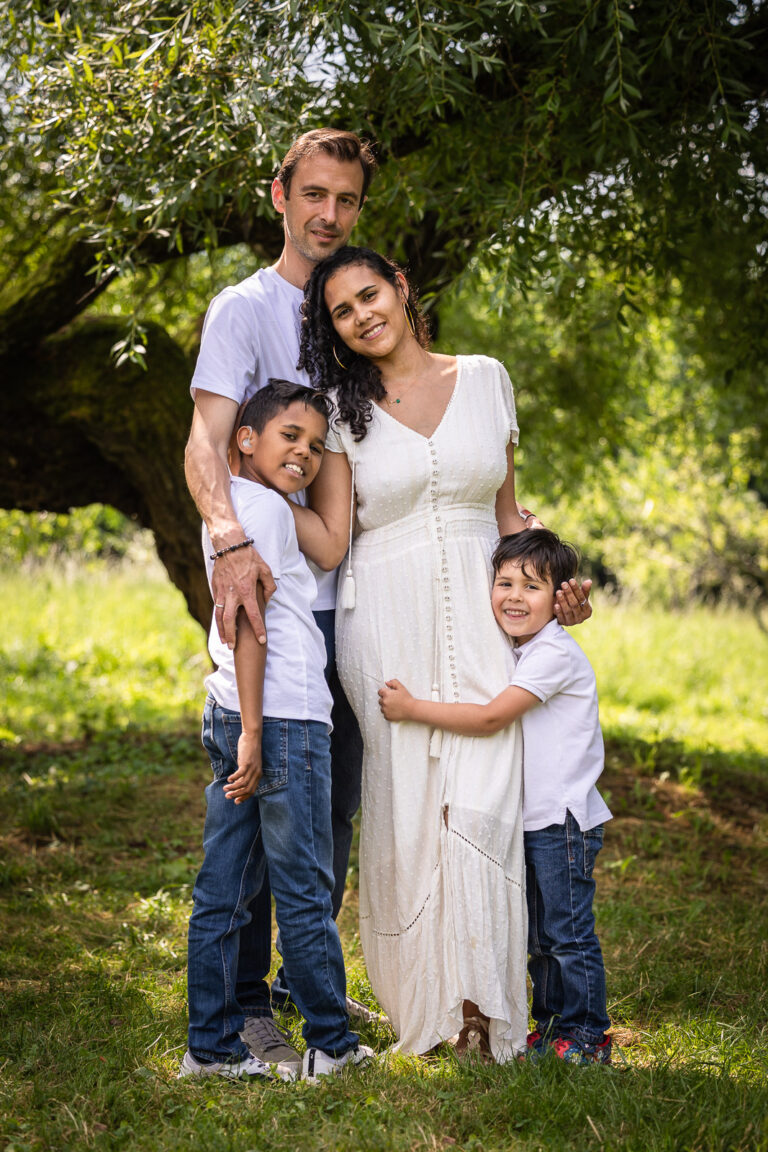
x,y
348,591
436,739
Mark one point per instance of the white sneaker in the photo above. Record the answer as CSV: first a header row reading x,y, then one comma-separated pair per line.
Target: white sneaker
x,y
249,1069
317,1063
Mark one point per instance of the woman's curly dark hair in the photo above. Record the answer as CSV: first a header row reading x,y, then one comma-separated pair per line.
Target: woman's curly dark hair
x,y
358,384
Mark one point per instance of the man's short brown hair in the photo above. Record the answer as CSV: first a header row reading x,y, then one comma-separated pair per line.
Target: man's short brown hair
x,y
345,146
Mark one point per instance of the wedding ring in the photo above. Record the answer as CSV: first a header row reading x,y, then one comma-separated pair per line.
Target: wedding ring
x,y
582,603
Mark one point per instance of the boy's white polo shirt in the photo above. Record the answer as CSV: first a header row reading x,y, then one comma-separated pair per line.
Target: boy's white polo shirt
x,y
294,680
563,752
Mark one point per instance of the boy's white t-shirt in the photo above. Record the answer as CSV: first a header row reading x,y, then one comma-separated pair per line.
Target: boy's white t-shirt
x,y
563,753
294,680
251,332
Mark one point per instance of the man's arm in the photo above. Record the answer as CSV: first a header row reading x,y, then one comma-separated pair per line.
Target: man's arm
x,y
396,703
237,575
250,662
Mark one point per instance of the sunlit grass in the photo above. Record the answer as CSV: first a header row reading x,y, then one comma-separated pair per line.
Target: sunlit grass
x,y
94,648
697,677
101,789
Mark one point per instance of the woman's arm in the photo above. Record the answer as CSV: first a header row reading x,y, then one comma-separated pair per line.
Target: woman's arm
x,y
572,604
323,527
396,703
508,515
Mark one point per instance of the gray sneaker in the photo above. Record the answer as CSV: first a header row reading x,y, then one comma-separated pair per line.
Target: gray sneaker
x,y
358,1011
249,1069
269,1044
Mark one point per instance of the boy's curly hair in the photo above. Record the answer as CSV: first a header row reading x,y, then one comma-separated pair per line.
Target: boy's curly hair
x,y
358,384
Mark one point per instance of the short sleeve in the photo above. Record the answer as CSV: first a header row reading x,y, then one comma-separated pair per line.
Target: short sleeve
x,y
508,404
545,670
229,348
266,518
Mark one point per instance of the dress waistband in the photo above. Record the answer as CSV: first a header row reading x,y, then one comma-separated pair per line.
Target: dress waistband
x,y
456,519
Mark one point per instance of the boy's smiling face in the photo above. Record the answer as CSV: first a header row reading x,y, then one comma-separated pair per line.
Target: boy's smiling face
x,y
522,601
287,453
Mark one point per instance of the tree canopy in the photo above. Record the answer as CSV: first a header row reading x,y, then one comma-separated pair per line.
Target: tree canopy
x,y
553,142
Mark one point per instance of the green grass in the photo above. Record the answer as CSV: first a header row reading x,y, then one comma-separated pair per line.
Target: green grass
x,y
101,779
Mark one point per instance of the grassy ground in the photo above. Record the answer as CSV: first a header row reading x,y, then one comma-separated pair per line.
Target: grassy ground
x,y
101,783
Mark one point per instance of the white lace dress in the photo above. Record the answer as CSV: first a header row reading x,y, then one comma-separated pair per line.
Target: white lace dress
x,y
442,900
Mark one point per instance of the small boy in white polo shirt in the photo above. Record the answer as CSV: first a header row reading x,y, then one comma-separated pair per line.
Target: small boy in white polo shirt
x,y
266,728
554,694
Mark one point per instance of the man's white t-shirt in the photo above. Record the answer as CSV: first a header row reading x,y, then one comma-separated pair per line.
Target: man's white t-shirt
x,y
294,680
563,753
251,332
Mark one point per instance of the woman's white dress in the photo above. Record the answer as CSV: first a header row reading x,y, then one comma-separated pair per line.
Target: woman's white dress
x,y
442,900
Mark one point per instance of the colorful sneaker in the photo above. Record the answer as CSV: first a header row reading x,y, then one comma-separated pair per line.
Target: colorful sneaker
x,y
317,1063
251,1068
271,1046
574,1052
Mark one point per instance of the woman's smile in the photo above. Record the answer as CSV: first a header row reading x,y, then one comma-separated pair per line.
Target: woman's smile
x,y
366,309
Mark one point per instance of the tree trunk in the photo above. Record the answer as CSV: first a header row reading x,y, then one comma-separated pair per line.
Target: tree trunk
x,y
78,429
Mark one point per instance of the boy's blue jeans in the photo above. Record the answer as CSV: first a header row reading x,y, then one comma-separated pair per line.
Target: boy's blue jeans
x,y
565,961
288,823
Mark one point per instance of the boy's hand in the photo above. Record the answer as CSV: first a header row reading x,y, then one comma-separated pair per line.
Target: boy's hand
x,y
572,604
242,784
395,701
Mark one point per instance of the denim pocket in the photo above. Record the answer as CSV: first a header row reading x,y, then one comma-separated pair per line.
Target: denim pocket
x,y
274,756
593,842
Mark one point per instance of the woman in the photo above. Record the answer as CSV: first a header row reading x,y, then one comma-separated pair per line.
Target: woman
x,y
423,452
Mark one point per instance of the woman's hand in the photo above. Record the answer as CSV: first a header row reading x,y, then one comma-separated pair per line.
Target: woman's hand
x,y
242,784
395,701
572,604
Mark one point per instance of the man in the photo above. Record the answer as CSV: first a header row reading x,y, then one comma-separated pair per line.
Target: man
x,y
251,332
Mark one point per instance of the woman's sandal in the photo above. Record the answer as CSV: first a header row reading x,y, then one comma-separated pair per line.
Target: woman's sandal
x,y
473,1042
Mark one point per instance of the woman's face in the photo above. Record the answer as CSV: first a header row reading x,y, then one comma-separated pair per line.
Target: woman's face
x,y
367,311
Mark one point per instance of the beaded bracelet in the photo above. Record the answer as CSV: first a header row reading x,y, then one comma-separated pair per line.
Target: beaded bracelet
x,y
232,548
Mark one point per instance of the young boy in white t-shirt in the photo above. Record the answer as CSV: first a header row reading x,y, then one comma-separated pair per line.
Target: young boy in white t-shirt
x,y
266,728
553,693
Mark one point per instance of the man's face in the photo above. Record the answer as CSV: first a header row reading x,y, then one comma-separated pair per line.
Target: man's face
x,y
323,205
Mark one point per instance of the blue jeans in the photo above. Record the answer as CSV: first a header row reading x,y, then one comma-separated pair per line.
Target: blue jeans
x,y
565,961
346,786
287,826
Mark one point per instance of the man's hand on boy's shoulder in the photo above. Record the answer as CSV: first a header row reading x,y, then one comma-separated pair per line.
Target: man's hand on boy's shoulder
x,y
242,784
572,604
236,576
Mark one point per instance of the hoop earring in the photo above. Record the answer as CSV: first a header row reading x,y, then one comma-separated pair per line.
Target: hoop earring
x,y
409,317
336,358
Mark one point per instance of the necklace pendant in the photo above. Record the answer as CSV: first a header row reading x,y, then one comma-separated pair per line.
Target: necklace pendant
x,y
398,400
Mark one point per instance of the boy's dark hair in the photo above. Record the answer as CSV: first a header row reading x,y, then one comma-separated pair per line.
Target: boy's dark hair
x,y
275,397
344,146
549,557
